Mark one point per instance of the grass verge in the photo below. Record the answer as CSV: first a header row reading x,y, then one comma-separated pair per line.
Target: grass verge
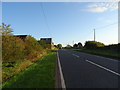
x,y
105,53
12,67
39,75
9,69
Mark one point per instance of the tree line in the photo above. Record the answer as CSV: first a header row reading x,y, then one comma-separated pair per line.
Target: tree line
x,y
95,45
15,48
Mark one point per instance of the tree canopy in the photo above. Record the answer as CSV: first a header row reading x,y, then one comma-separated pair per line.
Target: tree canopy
x,y
59,46
5,29
93,44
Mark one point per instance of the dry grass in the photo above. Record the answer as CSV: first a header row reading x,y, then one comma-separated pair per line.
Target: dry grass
x,y
41,74
8,72
17,66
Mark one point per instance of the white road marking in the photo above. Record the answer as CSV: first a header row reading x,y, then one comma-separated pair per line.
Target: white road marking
x,y
61,74
103,68
75,55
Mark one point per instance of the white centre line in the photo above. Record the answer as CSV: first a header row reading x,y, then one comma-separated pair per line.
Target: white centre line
x,y
103,68
75,55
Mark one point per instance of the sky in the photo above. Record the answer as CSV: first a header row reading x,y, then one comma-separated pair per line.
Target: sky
x,y
65,22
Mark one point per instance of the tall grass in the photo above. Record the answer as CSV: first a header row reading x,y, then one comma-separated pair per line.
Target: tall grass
x,y
39,75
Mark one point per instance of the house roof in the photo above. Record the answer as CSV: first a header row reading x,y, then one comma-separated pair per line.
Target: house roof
x,y
46,38
21,36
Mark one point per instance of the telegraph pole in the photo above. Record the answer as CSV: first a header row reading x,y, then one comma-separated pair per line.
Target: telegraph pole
x,y
94,34
73,42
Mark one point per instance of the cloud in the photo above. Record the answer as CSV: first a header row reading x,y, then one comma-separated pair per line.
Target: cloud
x,y
97,9
101,7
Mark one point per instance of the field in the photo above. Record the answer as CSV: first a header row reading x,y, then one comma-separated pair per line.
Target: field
x,y
41,74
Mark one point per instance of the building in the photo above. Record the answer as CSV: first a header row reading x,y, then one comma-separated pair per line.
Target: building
x,y
21,36
48,41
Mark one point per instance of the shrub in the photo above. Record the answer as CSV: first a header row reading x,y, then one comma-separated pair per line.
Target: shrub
x,y
42,43
32,48
93,44
12,48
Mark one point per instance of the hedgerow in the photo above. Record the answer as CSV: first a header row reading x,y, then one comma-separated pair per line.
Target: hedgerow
x,y
32,48
93,44
12,48
15,48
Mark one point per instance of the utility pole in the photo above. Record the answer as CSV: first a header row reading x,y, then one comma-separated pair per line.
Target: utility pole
x,y
94,34
73,42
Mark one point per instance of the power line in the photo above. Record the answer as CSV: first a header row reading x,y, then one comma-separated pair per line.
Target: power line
x,y
107,25
103,27
45,18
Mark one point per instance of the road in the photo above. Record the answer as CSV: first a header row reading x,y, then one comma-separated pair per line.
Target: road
x,y
82,70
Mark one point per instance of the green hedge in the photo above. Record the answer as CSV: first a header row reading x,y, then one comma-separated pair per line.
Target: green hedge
x,y
93,44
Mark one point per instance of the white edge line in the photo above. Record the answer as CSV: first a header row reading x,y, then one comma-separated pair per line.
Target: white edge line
x,y
103,68
61,74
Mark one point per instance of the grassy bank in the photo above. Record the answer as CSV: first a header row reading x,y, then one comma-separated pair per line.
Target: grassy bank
x,y
10,68
101,52
39,75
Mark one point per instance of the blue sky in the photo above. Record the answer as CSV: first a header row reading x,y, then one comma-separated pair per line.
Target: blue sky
x,y
64,22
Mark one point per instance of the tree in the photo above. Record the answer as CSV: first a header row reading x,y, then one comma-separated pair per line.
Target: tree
x,y
75,46
93,44
59,46
5,29
80,45
68,46
55,46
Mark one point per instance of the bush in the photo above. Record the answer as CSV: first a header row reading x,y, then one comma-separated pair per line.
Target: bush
x,y
12,48
32,48
42,43
93,44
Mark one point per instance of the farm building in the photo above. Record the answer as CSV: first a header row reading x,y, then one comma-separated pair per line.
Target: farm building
x,y
48,41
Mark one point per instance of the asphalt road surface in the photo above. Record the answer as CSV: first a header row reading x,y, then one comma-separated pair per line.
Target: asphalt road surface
x,y
81,70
